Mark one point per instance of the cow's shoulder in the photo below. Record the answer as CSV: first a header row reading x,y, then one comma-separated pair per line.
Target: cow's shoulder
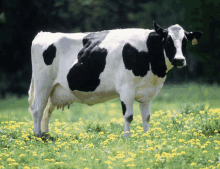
x,y
154,43
157,58
137,61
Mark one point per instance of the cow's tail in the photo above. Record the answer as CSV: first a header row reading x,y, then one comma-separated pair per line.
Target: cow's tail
x,y
31,93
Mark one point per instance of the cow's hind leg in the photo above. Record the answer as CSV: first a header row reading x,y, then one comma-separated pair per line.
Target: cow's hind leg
x,y
145,113
127,99
46,116
42,89
37,109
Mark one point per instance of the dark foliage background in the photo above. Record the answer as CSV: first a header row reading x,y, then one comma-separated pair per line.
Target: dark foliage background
x,y
21,20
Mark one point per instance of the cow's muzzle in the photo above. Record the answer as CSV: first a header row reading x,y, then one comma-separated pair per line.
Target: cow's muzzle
x,y
179,63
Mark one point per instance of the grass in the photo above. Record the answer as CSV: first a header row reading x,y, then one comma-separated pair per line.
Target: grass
x,y
184,133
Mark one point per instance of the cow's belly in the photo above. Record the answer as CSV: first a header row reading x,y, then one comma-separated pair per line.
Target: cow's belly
x,y
62,97
91,98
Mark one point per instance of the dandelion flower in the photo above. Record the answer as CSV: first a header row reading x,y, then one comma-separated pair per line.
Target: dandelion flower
x,y
108,162
26,167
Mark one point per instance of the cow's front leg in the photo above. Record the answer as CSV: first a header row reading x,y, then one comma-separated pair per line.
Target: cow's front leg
x,y
127,99
145,113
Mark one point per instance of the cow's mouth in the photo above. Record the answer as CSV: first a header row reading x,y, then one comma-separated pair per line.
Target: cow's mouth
x,y
179,63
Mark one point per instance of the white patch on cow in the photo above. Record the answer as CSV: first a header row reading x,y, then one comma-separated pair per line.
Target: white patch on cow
x,y
177,34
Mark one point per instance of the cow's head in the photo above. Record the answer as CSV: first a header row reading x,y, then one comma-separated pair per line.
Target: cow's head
x,y
175,41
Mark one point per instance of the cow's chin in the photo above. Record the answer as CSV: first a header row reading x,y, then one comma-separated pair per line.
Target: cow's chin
x,y
179,66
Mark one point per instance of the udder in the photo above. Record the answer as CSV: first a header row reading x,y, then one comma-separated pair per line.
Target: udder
x,y
60,97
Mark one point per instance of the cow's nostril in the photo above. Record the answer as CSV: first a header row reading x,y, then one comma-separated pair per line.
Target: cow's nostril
x,y
179,62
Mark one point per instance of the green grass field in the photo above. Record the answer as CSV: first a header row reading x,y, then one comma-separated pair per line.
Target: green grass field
x,y
184,133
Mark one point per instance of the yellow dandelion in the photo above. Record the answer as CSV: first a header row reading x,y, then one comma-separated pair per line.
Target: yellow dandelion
x,y
34,153
21,155
108,162
26,167
90,145
193,164
9,159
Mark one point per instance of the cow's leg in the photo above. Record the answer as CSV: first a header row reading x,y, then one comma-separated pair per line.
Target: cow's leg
x,y
37,109
41,95
145,113
46,116
127,99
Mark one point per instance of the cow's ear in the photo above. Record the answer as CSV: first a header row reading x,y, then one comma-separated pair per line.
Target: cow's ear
x,y
191,35
159,30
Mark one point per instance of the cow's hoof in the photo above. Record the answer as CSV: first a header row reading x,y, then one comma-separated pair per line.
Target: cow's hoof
x,y
126,134
38,135
47,136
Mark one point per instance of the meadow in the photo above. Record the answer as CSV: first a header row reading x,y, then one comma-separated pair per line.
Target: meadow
x,y
184,133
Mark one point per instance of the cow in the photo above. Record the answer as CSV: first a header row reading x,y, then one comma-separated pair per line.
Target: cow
x,y
94,67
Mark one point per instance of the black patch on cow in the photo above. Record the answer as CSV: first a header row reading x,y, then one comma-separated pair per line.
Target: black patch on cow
x,y
155,44
84,75
49,54
123,107
130,118
184,44
136,61
170,48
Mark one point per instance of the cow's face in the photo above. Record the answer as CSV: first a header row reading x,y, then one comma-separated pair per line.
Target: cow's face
x,y
174,43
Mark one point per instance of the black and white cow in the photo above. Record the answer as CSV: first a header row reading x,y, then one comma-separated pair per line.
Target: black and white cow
x,y
95,67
